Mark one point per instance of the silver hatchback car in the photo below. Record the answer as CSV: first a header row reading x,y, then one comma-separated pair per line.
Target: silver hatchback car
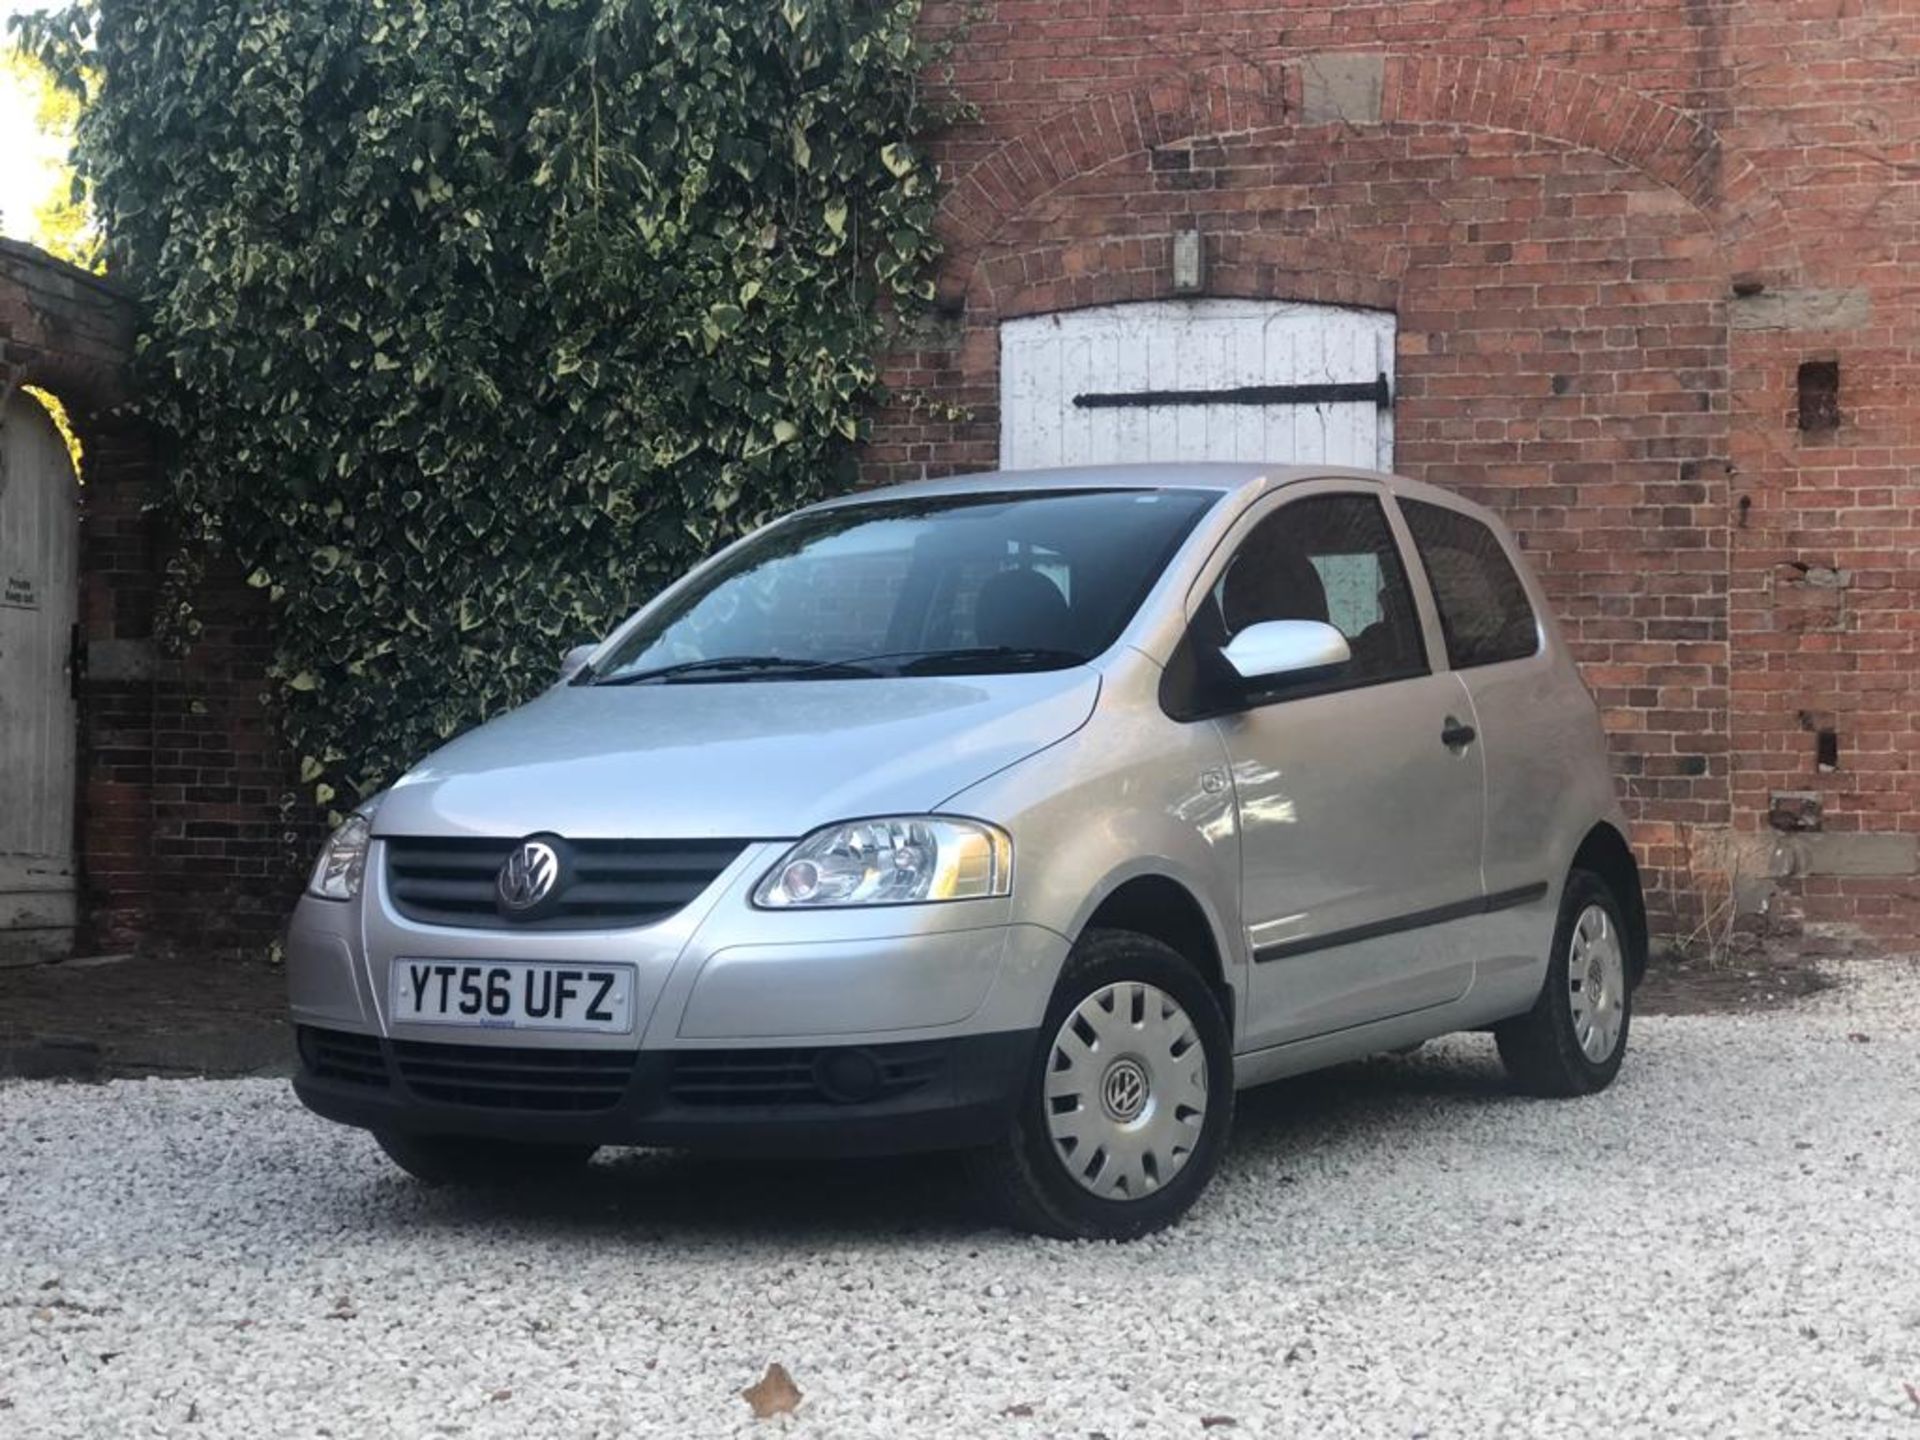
x,y
1026,814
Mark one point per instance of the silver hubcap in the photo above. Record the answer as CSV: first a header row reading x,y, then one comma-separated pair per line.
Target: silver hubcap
x,y
1126,1090
1596,984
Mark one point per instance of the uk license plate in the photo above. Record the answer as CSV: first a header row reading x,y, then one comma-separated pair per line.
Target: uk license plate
x,y
513,994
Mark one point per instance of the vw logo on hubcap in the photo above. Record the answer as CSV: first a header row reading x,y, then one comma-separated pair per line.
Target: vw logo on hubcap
x,y
1124,1090
528,876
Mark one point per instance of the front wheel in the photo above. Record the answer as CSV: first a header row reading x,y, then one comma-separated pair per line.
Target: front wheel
x,y
468,1160
1127,1102
1573,1039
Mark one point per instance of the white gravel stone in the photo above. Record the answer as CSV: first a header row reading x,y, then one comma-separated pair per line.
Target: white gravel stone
x,y
1727,1243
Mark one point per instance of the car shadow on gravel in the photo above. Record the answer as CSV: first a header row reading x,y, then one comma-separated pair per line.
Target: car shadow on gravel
x,y
648,1195
651,1194
1374,1094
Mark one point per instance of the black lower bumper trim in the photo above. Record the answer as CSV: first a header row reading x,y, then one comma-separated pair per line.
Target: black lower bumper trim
x,y
824,1100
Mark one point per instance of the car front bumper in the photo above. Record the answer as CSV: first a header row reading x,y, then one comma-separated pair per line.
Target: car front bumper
x,y
826,1100
894,1028
718,972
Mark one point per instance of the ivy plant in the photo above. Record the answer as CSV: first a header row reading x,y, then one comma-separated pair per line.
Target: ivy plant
x,y
474,323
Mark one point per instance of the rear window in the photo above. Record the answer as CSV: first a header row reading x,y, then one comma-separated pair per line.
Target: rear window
x,y
1483,605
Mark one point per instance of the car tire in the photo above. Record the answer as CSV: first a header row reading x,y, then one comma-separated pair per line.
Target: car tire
x,y
1573,1039
471,1161
1126,1104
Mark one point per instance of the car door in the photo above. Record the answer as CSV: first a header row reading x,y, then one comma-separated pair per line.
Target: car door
x,y
1534,719
1360,794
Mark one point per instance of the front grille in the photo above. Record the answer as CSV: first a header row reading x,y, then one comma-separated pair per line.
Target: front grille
x,y
832,1075
610,883
496,1077
348,1058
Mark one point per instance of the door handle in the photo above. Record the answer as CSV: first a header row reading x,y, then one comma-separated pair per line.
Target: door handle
x,y
1456,735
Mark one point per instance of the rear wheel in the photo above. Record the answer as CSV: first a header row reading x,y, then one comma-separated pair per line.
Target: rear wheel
x,y
1573,1039
1126,1105
468,1160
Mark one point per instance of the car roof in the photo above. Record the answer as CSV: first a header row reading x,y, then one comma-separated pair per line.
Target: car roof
x,y
1218,476
1222,477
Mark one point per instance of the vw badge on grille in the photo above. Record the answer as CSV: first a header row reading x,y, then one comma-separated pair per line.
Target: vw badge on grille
x,y
528,876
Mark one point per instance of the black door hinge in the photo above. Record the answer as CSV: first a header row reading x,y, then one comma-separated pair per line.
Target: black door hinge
x,y
1377,392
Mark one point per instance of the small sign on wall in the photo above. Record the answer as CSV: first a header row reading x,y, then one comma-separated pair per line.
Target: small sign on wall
x,y
18,592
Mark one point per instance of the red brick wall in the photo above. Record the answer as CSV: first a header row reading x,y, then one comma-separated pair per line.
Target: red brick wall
x,y
182,839
1611,233
117,594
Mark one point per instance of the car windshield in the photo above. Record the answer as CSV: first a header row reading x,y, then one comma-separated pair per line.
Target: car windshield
x,y
973,583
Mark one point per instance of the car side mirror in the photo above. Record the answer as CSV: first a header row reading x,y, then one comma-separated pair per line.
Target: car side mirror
x,y
1286,649
575,661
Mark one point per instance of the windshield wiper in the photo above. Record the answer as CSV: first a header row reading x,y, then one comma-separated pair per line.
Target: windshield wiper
x,y
852,667
770,666
971,657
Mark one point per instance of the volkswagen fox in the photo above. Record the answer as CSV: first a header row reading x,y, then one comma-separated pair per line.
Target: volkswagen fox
x,y
1026,815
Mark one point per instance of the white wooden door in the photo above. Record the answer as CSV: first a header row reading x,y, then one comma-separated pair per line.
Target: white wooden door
x,y
1255,380
39,567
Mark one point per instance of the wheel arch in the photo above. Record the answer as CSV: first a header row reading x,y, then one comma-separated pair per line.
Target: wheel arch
x,y
1156,904
1606,853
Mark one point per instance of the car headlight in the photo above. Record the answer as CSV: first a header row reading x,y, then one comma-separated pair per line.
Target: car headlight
x,y
902,860
343,859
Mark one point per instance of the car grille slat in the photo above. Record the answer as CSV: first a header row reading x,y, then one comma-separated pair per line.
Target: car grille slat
x,y
793,1077
614,883
566,1070
513,1077
343,1056
539,1080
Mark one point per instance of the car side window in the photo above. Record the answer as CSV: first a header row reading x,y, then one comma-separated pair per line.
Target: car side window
x,y
1484,612
1330,558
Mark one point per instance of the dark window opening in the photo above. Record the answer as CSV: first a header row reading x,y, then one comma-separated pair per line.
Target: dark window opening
x,y
1826,749
1819,392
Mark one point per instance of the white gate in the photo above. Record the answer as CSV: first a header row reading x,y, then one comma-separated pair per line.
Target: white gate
x,y
1198,380
39,567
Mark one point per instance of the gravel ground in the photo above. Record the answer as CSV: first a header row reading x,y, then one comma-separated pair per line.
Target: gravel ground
x,y
1723,1244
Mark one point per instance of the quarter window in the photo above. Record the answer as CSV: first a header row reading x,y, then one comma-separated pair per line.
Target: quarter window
x,y
1484,611
1330,558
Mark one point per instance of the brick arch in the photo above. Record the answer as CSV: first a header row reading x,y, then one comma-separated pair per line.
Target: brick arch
x,y
1077,274
64,329
1219,99
1666,144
